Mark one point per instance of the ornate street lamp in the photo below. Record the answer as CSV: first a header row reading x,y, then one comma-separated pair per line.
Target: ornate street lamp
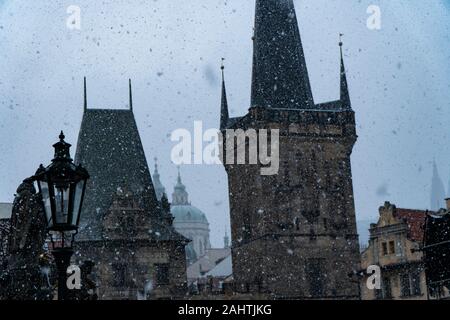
x,y
62,185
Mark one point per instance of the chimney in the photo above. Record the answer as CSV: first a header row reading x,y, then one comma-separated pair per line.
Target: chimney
x,y
447,201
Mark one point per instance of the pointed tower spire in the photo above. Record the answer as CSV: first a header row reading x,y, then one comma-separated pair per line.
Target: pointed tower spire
x,y
226,240
180,196
280,76
159,188
224,115
448,188
437,195
85,96
131,95
345,96
179,176
156,164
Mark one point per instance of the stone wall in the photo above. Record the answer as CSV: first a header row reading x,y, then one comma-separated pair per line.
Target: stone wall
x,y
131,270
296,231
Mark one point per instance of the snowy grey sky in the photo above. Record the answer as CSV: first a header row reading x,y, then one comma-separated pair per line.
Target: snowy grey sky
x,y
399,80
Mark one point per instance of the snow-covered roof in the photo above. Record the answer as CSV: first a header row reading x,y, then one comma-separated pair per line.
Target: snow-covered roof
x,y
223,269
207,262
110,148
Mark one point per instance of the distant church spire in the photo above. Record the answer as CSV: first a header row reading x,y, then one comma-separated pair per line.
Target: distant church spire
x,y
159,188
224,115
345,96
226,240
437,195
448,187
179,176
131,94
85,96
180,196
280,76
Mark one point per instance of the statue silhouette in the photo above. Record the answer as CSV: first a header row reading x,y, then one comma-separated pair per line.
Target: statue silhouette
x,y
23,279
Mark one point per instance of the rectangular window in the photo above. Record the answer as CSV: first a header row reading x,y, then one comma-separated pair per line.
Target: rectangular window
x,y
162,274
119,274
385,250
410,284
378,294
315,277
247,231
391,247
387,291
405,285
415,283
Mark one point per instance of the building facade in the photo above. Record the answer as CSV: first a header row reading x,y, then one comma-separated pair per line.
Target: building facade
x,y
294,232
135,260
394,246
436,246
124,229
189,221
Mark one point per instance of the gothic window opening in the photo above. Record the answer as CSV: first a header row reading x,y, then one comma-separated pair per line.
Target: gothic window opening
x,y
312,234
247,232
297,223
200,246
325,223
162,274
119,274
315,277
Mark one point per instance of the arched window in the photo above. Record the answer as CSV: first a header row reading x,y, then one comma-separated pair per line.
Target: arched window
x,y
297,223
200,246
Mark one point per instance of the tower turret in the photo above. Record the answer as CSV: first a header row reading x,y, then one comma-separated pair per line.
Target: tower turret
x,y
345,96
224,114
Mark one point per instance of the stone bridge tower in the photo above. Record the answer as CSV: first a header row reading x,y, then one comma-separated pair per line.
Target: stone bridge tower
x,y
293,233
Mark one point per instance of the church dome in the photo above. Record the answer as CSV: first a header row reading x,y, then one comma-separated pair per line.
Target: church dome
x,y
181,208
188,213
189,221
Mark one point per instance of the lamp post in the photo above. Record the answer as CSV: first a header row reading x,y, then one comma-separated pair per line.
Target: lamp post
x,y
62,185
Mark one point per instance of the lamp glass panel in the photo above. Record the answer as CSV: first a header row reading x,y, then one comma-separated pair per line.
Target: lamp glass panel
x,y
77,201
47,201
62,204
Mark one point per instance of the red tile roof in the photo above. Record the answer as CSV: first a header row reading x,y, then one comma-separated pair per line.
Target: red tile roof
x,y
415,220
